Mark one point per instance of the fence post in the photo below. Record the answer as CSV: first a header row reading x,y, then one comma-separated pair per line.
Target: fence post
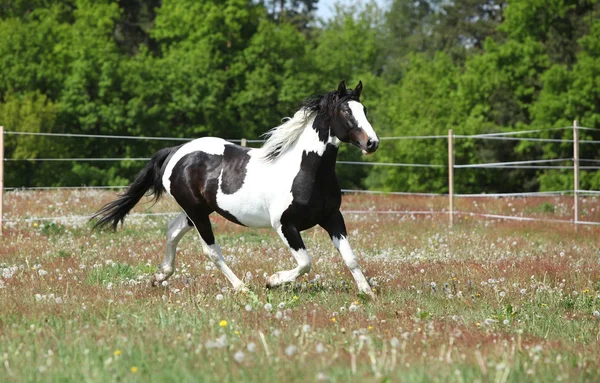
x,y
575,173
451,176
1,176
243,142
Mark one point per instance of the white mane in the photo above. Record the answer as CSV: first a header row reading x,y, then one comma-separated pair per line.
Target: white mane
x,y
280,139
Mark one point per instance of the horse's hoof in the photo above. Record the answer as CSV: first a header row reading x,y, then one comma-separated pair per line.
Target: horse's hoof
x,y
156,280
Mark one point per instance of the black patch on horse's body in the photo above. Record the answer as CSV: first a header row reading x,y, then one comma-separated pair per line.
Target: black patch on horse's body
x,y
315,191
196,177
235,161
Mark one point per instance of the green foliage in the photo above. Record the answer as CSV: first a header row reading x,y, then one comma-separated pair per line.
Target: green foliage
x,y
183,68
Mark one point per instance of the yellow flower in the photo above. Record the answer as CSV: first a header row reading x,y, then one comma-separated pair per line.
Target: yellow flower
x,y
295,297
133,369
35,224
477,324
544,305
117,352
370,327
333,320
223,323
586,291
236,332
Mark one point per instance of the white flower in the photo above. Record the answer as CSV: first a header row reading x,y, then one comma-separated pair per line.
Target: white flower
x,y
278,315
320,348
394,342
248,307
42,272
291,350
597,314
219,297
506,322
281,305
523,291
502,294
268,306
251,347
164,283
239,356
306,328
109,286
39,297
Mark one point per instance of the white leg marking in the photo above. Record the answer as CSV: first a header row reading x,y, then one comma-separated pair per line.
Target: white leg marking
x,y
213,252
304,264
176,229
343,246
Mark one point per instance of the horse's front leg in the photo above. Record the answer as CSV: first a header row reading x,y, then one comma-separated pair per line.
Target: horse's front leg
x,y
291,237
336,228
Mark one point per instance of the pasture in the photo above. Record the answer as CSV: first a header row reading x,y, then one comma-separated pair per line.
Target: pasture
x,y
487,301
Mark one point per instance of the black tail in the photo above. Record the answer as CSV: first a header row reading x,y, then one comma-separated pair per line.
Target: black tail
x,y
150,178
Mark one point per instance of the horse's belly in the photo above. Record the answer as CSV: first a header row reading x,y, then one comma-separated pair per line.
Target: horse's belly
x,y
247,209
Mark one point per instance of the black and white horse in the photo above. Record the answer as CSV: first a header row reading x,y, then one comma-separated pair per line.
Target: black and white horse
x,y
289,184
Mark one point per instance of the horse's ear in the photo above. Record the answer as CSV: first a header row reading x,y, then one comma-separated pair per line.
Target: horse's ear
x,y
342,88
358,90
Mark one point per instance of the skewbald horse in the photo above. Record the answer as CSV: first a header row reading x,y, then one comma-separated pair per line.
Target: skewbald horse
x,y
289,184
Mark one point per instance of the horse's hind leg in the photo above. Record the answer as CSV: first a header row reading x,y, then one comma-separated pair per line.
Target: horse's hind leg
x,y
212,250
176,229
291,236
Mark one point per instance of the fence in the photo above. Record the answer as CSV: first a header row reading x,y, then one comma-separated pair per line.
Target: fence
x,y
509,136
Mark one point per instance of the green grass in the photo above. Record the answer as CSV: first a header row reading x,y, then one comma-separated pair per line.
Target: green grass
x,y
502,302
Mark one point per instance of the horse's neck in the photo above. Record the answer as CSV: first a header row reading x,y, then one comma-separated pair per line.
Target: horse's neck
x,y
315,139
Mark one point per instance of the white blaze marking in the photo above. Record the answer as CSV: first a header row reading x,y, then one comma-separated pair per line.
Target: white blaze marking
x,y
208,145
358,112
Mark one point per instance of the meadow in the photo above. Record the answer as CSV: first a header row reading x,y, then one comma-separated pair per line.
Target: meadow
x,y
486,301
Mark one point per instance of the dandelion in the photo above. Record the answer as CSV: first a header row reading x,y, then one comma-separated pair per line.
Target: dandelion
x,y
133,369
251,347
248,308
223,323
306,328
333,320
352,308
42,272
281,305
597,314
295,297
506,322
320,348
117,352
278,315
268,306
291,350
395,342
239,356
523,291
219,297
502,294
321,376
370,328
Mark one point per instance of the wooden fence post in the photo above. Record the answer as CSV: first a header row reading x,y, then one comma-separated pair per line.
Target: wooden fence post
x,y
451,176
1,176
575,173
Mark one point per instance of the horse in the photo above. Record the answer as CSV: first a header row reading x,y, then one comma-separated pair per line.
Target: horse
x,y
288,184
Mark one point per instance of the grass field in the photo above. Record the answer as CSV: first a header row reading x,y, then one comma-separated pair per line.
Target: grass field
x,y
488,301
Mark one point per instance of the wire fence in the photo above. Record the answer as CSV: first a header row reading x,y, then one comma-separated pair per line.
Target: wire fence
x,y
558,164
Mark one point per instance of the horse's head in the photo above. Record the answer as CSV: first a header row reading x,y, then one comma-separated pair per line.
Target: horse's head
x,y
349,120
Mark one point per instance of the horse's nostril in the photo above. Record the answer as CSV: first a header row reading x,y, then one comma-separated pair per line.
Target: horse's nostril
x,y
372,145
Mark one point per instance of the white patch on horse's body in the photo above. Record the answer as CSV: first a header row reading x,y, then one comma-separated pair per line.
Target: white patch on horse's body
x,y
208,145
260,201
